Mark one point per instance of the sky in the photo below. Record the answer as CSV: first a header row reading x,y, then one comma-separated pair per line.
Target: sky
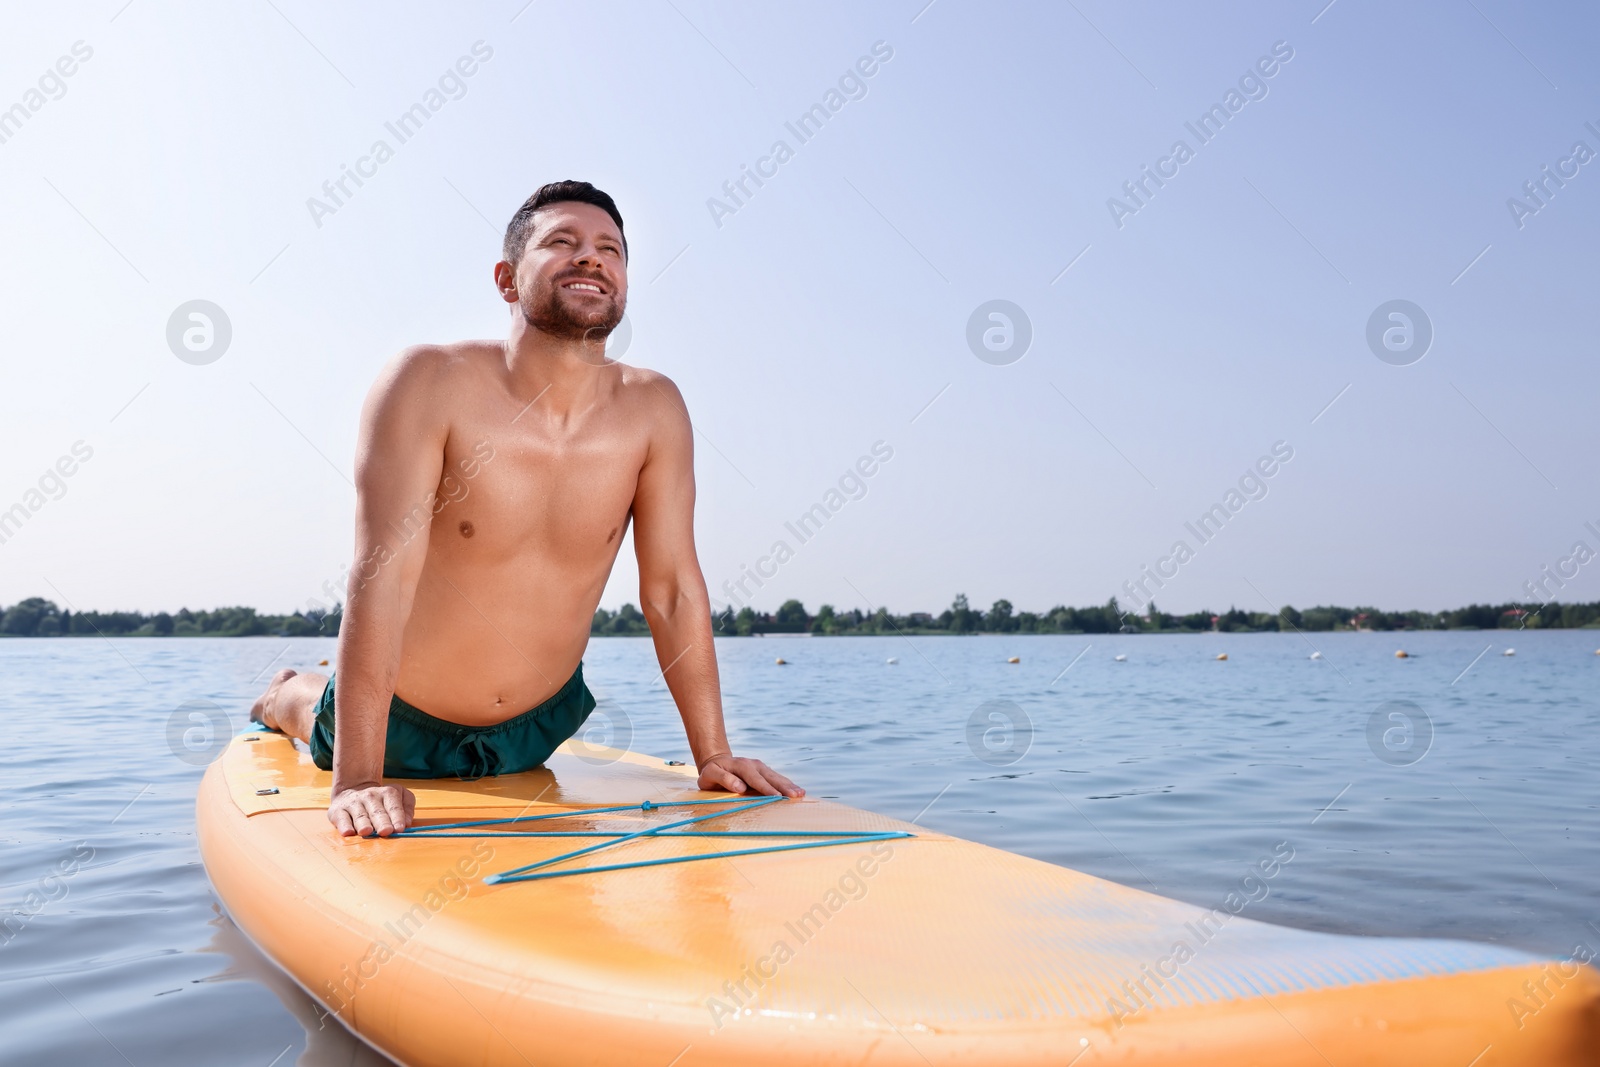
x,y
1157,349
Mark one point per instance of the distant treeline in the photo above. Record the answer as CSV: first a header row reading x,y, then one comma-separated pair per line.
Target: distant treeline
x,y
961,618
37,617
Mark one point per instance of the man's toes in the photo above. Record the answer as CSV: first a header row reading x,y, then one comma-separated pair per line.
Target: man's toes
x,y
258,710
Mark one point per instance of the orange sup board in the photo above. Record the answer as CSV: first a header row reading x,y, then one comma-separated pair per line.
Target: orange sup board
x,y
908,950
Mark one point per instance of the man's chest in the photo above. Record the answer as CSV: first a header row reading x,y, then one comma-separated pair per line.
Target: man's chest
x,y
506,491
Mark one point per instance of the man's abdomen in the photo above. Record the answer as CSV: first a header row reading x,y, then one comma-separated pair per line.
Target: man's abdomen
x,y
486,643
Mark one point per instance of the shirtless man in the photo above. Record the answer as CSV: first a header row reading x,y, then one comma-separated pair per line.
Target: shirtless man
x,y
494,481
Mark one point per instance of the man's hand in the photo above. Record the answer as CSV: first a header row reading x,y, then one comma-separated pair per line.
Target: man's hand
x,y
372,809
739,775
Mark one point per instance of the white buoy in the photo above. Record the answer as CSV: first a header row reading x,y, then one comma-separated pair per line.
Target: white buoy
x,y
1316,655
892,660
1509,652
1222,656
1120,657
780,661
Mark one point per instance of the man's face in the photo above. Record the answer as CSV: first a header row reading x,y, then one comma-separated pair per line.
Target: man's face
x,y
573,281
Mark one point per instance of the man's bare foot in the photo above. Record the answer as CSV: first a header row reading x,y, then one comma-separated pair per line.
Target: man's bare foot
x,y
261,710
289,705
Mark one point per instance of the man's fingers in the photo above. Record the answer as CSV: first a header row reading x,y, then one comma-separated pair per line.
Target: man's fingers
x,y
720,776
382,825
395,808
751,773
374,811
784,785
767,781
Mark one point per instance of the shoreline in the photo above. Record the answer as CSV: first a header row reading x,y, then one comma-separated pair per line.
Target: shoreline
x,y
809,635
40,617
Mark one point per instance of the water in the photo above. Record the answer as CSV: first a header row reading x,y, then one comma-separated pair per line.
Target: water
x,y
1171,770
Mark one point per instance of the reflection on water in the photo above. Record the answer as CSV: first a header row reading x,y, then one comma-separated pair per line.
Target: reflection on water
x,y
1443,794
326,1043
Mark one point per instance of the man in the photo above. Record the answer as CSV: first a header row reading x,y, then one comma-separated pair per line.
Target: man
x,y
494,482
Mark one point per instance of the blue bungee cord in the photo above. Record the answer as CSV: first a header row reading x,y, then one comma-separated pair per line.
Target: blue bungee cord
x,y
534,872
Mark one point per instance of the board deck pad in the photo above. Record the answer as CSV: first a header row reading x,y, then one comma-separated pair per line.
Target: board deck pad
x,y
927,949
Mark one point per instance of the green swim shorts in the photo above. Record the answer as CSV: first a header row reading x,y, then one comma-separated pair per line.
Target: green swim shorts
x,y
421,746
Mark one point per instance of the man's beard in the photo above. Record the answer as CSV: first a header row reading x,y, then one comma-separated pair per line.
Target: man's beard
x,y
547,312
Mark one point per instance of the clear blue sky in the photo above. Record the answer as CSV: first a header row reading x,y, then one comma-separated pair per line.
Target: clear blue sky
x,y
176,163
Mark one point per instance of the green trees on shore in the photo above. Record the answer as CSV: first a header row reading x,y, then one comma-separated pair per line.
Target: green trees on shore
x,y
626,621
1002,617
38,617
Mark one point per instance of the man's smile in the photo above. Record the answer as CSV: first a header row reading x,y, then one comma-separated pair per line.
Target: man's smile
x,y
580,286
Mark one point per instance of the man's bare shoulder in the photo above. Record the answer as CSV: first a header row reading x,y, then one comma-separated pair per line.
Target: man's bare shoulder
x,y
650,390
421,387
436,363
434,371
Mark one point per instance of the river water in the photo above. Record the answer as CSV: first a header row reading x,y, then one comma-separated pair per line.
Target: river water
x,y
1447,794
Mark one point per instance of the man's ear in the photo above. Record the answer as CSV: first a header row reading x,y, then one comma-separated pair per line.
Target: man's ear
x,y
505,280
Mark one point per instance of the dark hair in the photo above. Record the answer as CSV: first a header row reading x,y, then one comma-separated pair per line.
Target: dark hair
x,y
555,193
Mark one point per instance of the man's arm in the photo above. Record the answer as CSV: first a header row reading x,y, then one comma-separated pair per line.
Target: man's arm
x,y
673,594
399,460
